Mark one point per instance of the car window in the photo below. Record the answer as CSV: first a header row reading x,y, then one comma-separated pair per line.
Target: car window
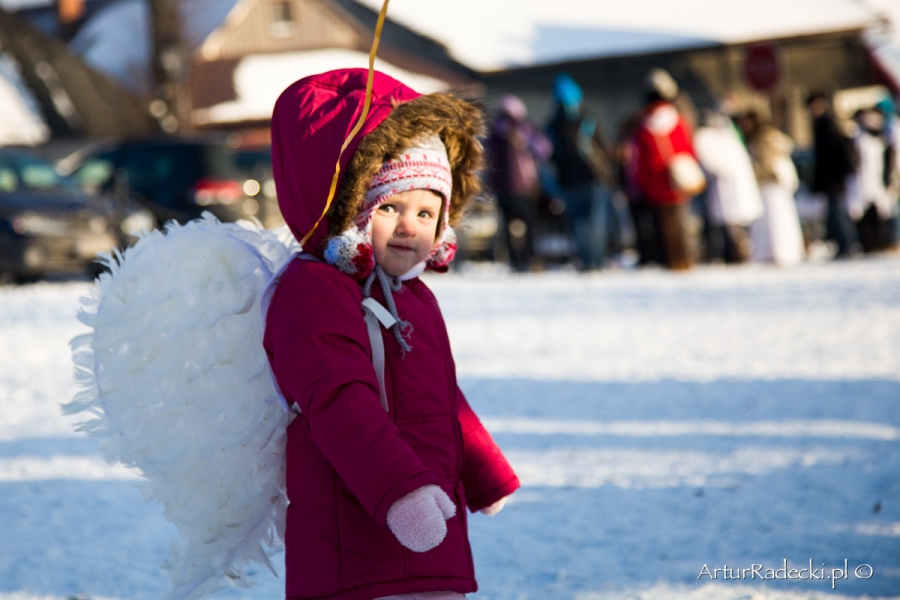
x,y
94,174
163,172
32,174
251,160
39,177
9,182
222,162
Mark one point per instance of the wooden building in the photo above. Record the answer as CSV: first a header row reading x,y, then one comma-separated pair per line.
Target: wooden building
x,y
612,86
264,45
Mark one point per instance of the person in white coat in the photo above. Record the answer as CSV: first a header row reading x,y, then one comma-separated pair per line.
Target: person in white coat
x,y
869,201
892,164
777,236
733,199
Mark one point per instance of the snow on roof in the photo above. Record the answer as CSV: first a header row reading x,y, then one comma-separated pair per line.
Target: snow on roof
x,y
885,40
259,79
202,17
14,5
20,120
500,34
117,42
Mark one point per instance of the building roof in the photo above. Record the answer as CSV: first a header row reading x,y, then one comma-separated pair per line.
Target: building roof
x,y
259,79
21,122
502,34
884,40
53,92
114,37
243,67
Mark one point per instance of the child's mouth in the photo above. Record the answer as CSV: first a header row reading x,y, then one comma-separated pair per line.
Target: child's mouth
x,y
399,248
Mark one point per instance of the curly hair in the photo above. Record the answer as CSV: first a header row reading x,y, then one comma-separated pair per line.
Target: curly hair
x,y
457,122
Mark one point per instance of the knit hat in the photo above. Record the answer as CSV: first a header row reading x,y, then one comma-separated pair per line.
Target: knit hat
x,y
425,166
565,91
659,82
513,107
886,105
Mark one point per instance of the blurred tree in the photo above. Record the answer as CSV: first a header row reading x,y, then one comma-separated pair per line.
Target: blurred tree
x,y
170,104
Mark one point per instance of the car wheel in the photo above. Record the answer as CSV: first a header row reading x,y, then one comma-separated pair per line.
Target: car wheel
x,y
24,279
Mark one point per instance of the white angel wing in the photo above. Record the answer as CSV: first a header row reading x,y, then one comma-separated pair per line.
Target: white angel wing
x,y
175,373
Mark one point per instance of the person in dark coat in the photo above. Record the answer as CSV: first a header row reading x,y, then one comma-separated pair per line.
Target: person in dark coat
x,y
835,161
646,242
584,173
516,150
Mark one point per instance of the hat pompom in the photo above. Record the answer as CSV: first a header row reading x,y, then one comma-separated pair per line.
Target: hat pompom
x,y
351,252
444,252
659,81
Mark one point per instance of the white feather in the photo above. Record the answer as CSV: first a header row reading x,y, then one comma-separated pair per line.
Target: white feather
x,y
175,374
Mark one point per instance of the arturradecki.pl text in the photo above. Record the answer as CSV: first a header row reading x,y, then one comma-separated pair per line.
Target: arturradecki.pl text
x,y
784,572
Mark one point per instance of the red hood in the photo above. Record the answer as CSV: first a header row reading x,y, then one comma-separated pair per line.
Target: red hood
x,y
311,120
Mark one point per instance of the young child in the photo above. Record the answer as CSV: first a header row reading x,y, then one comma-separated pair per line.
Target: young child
x,y
378,474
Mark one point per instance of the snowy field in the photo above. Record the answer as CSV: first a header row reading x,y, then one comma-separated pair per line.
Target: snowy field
x,y
666,428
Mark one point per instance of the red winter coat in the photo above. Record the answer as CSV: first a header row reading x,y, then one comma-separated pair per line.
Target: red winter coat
x,y
662,134
348,460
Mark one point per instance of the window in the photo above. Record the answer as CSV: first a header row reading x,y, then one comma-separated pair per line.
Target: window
x,y
282,24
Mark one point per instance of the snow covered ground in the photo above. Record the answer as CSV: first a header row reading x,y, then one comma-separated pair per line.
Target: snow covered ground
x,y
666,428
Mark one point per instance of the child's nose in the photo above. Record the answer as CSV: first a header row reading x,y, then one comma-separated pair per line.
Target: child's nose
x,y
406,224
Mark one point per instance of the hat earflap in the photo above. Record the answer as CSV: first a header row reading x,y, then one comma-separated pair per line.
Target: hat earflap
x,y
351,252
443,252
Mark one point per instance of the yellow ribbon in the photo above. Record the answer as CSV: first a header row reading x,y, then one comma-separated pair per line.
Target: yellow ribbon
x,y
359,123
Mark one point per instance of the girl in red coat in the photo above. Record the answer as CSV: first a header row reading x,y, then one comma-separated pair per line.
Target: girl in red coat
x,y
383,460
662,137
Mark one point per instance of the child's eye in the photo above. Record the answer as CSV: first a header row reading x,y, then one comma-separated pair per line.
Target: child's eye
x,y
388,208
426,214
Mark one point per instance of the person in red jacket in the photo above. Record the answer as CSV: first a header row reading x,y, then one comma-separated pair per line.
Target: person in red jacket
x,y
384,454
662,135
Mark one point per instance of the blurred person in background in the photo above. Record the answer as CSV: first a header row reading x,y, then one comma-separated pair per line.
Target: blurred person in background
x,y
584,173
777,236
641,213
835,160
869,203
732,197
668,174
892,165
515,150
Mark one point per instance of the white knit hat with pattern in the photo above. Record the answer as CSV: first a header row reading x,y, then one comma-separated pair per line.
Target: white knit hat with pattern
x,y
422,167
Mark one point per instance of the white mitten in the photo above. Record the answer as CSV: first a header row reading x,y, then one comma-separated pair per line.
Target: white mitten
x,y
417,519
494,508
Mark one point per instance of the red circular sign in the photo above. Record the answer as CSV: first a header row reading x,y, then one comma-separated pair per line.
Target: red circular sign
x,y
762,67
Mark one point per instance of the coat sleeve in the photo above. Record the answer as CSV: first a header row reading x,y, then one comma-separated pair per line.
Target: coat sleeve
x,y
486,474
649,161
320,356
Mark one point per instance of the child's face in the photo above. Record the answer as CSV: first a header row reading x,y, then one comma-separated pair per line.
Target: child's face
x,y
404,230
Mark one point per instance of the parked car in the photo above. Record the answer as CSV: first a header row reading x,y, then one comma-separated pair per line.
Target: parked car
x,y
180,178
48,225
478,233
